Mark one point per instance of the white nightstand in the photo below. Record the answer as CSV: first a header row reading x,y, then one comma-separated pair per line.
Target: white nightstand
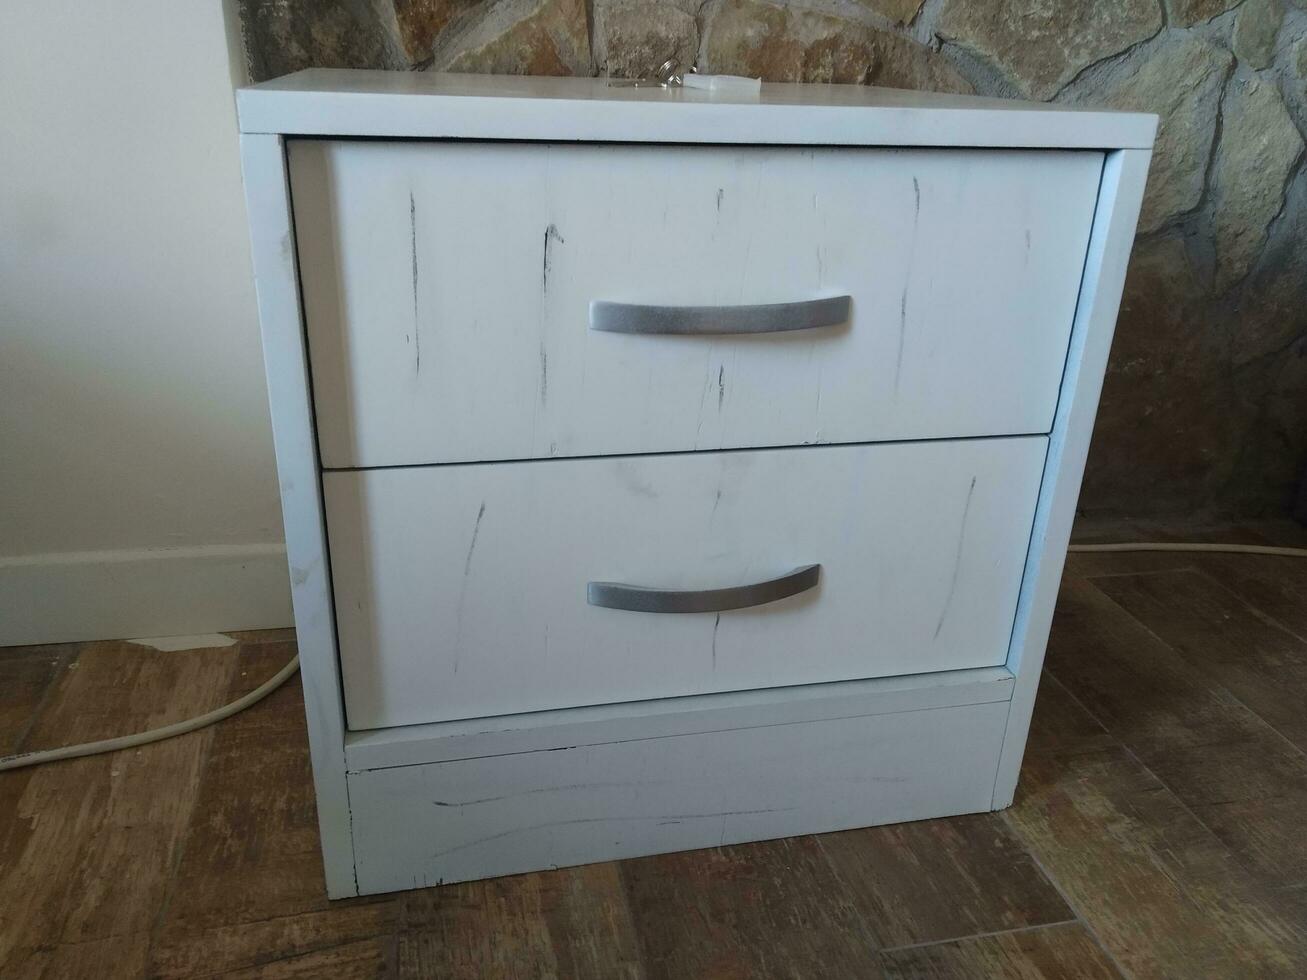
x,y
662,471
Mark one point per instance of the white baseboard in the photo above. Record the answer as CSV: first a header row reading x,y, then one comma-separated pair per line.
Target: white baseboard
x,y
102,595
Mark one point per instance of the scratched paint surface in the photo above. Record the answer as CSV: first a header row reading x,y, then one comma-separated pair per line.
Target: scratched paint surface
x,y
461,590
541,809
459,330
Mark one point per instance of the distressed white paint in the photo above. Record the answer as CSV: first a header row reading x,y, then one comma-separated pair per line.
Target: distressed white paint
x,y
325,102
1122,193
461,590
276,280
538,731
632,777
422,825
447,289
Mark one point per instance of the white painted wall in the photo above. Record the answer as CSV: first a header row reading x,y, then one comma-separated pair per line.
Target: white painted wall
x,y
138,493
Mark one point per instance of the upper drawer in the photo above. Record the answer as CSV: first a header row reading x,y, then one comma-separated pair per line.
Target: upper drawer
x,y
447,291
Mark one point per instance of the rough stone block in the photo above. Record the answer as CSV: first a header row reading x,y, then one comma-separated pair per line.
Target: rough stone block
x,y
786,44
1170,417
1181,81
518,37
282,36
1259,148
1185,13
1041,46
1255,30
899,11
631,40
414,26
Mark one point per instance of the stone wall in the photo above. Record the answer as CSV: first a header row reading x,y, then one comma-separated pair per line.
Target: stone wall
x,y
1205,407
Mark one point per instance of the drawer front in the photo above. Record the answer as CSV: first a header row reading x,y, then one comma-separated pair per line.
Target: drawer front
x,y
423,825
461,591
448,291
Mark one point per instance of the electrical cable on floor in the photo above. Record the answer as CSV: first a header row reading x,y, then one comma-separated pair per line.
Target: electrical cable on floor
x,y
279,678
1229,549
156,734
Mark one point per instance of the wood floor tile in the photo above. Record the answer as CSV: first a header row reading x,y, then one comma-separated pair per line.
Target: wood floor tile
x,y
589,922
771,910
1064,952
941,879
115,958
99,835
1275,587
236,946
555,925
365,959
25,675
249,886
494,929
1159,891
1261,664
1061,726
1236,773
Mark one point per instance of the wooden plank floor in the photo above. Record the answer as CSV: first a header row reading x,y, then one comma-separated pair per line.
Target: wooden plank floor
x,y
1160,829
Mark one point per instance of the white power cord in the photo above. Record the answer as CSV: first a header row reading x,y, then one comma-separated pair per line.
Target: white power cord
x,y
280,678
155,734
1230,549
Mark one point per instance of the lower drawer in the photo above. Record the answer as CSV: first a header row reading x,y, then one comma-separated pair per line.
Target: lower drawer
x,y
419,825
461,590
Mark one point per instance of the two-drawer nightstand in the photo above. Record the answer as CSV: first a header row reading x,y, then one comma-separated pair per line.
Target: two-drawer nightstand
x,y
662,471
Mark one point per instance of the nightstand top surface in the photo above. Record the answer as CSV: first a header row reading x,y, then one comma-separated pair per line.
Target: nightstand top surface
x,y
344,103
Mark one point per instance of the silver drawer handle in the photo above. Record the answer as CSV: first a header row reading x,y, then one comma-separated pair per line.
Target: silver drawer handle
x,y
768,318
637,598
